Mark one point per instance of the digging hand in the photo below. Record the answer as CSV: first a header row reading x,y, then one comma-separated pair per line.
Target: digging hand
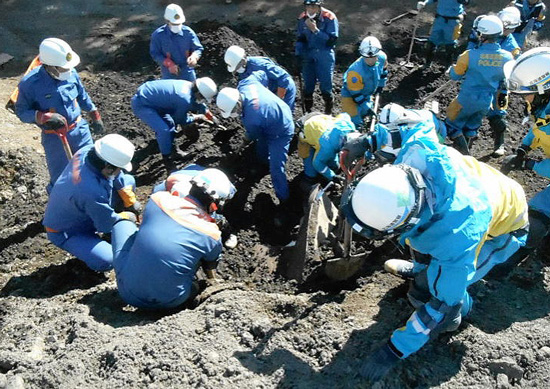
x,y
379,364
97,123
136,208
355,149
50,120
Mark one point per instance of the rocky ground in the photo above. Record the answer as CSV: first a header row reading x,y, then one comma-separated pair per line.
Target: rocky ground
x,y
63,326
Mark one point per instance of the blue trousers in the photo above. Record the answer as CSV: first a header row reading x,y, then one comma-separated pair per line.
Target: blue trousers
x,y
56,159
275,153
465,113
445,31
318,66
186,73
449,283
163,124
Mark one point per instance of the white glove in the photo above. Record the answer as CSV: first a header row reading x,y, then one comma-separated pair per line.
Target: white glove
x,y
231,242
420,5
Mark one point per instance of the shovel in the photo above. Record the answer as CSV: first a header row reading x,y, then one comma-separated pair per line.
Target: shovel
x,y
375,109
446,85
387,22
408,63
342,268
62,134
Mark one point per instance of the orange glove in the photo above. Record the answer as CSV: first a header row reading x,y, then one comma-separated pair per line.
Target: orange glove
x,y
170,65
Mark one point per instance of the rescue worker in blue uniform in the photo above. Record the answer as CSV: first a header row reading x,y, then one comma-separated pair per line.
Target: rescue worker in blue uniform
x,y
446,28
82,201
510,18
395,124
175,47
278,79
267,121
366,77
316,37
320,143
53,97
462,215
163,104
532,18
481,72
155,266
528,76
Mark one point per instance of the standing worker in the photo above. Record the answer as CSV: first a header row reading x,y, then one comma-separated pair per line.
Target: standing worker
x,y
532,18
155,267
279,81
316,33
175,47
163,104
482,73
511,19
267,121
52,96
446,28
463,216
366,77
83,200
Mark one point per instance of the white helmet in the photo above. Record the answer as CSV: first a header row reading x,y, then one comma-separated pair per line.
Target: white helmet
x,y
174,14
392,115
370,46
226,100
530,72
388,198
510,17
116,150
57,52
207,87
490,26
215,184
234,55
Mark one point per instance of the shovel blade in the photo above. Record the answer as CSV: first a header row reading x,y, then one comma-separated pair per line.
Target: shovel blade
x,y
407,64
341,269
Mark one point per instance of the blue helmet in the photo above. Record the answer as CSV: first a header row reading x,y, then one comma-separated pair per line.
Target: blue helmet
x,y
313,2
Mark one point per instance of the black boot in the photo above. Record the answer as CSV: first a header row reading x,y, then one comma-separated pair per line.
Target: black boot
x,y
329,102
450,52
498,125
308,102
430,47
169,163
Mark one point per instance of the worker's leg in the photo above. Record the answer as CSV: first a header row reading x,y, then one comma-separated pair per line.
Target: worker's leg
x,y
87,247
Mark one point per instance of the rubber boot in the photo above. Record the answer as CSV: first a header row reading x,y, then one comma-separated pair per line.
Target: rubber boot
x,y
450,52
430,48
329,102
308,102
498,126
400,267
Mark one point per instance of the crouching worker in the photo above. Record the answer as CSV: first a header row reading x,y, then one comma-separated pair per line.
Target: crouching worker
x,y
155,266
464,217
320,142
86,198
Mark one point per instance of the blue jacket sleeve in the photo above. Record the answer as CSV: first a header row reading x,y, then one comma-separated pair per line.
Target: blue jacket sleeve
x,y
83,98
155,49
101,213
278,74
196,44
327,37
301,40
24,107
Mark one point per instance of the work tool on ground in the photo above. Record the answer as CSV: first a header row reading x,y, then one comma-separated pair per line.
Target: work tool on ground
x,y
375,110
323,191
344,267
408,62
387,22
218,125
436,91
62,134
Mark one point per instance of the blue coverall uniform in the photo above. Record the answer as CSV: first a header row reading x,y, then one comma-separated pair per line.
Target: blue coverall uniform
x,y
316,52
474,218
447,25
156,265
324,137
361,82
278,79
162,104
482,73
267,121
38,91
178,47
532,19
82,203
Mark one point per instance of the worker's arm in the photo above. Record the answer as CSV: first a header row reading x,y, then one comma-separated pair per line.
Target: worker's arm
x,y
459,69
155,48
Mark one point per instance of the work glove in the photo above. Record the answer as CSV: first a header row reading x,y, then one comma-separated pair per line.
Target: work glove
x,y
517,161
171,65
199,118
128,216
96,123
354,149
50,120
420,5
502,100
136,208
297,65
378,364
